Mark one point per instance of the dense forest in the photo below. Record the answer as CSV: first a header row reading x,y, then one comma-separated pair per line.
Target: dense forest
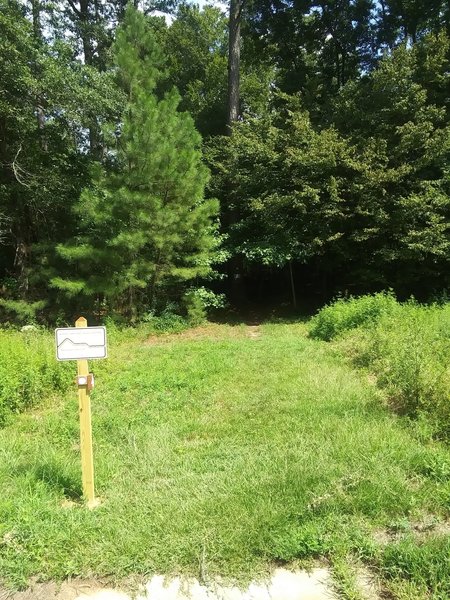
x,y
165,157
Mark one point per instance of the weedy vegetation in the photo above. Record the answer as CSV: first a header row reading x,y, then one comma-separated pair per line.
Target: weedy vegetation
x,y
28,370
407,347
221,453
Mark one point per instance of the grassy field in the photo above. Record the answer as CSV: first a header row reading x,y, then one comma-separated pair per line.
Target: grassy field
x,y
225,450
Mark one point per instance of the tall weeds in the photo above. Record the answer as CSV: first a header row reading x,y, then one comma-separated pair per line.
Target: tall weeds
x,y
28,370
407,346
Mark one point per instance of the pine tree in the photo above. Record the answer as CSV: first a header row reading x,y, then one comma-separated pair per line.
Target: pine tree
x,y
145,225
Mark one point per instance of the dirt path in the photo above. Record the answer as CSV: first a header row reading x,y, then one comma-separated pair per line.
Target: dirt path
x,y
253,332
210,331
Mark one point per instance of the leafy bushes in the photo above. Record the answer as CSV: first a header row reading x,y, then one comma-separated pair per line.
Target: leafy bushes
x,y
28,370
410,352
345,314
406,345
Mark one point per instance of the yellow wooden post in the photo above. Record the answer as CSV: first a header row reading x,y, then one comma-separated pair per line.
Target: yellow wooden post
x,y
87,459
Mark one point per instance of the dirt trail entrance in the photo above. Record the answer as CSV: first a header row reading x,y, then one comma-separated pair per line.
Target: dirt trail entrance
x,y
253,332
210,331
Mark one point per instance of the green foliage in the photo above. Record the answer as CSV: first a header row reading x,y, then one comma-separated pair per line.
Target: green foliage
x,y
196,62
145,225
406,345
371,182
44,111
400,197
319,45
168,321
196,50
287,186
195,308
348,313
338,165
197,302
410,351
21,311
29,372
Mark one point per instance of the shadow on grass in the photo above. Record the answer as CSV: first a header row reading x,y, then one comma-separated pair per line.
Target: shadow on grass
x,y
56,478
258,316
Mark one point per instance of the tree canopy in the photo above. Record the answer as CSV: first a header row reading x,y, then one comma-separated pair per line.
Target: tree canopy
x,y
123,190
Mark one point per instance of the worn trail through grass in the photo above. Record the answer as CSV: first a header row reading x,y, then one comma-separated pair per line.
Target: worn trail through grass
x,y
223,453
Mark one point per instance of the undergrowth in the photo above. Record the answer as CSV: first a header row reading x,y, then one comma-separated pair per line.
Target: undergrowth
x,y
230,452
28,370
406,345
350,313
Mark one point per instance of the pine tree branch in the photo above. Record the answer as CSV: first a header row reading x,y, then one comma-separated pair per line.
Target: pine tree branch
x,y
74,8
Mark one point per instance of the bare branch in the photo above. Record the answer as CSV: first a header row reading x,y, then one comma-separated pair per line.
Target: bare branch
x,y
19,173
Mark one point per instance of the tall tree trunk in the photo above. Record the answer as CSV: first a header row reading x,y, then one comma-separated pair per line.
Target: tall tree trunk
x,y
291,277
235,267
343,68
37,32
154,281
85,31
234,59
21,266
82,14
88,51
338,68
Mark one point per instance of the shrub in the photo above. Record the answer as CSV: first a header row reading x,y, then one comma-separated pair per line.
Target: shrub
x,y
28,370
167,322
195,309
349,313
406,345
19,311
410,351
197,302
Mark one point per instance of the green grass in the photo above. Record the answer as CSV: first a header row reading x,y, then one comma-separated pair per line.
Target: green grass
x,y
28,370
407,347
221,455
345,314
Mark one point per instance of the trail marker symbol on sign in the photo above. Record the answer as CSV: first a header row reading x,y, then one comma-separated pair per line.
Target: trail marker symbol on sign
x,y
75,343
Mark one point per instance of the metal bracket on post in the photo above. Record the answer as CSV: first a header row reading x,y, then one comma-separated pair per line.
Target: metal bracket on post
x,y
85,380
